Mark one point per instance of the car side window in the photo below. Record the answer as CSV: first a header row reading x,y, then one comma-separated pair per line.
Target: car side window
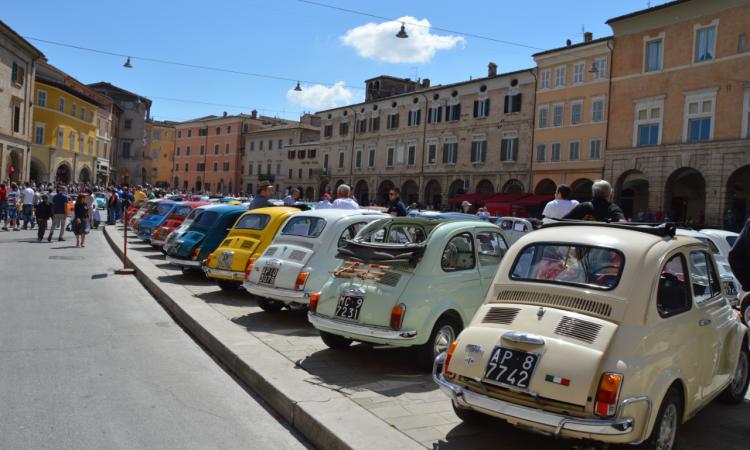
x,y
520,226
491,248
458,253
506,224
350,232
673,296
703,277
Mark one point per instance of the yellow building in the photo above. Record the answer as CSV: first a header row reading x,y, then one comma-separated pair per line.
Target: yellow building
x,y
159,159
64,133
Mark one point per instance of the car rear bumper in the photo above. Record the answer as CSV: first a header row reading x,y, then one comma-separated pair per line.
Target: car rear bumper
x,y
144,236
362,332
158,242
183,262
605,430
223,274
282,295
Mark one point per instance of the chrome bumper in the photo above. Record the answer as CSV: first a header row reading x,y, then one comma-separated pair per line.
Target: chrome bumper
x,y
282,295
360,330
544,420
183,262
158,242
224,273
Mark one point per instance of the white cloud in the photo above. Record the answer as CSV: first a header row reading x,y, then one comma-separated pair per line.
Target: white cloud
x,y
318,96
379,41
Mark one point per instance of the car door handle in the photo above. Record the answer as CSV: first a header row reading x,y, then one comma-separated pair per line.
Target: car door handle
x,y
704,322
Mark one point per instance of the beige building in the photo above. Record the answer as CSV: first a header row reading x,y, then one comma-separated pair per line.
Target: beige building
x,y
433,142
280,154
160,153
18,60
680,111
571,116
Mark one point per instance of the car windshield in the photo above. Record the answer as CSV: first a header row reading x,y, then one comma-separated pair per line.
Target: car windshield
x,y
714,249
731,240
207,219
304,226
253,221
99,195
163,209
574,264
182,211
194,215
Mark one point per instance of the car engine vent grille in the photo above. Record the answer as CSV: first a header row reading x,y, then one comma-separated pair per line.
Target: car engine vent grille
x,y
504,316
271,251
555,301
390,278
297,255
226,243
246,244
578,329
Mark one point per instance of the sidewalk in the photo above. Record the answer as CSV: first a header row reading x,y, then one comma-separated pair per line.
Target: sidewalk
x,y
373,398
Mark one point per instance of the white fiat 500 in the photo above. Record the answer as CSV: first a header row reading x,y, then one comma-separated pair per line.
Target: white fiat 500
x,y
604,332
297,262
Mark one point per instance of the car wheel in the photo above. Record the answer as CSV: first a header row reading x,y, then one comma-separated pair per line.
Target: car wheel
x,y
469,416
335,341
667,423
297,307
269,305
735,393
745,308
229,285
445,331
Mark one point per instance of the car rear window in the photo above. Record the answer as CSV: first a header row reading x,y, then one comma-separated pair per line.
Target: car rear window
x,y
731,240
573,264
711,246
162,209
182,211
194,215
304,226
207,218
253,221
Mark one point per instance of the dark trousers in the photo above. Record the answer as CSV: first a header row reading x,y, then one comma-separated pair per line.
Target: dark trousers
x,y
42,223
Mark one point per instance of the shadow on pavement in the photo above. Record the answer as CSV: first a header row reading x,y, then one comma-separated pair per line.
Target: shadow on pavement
x,y
284,322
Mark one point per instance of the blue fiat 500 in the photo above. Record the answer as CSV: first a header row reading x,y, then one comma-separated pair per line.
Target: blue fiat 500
x,y
154,219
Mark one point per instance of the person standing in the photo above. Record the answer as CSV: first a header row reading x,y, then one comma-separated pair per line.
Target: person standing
x,y
396,207
4,206
292,198
80,219
262,200
27,197
59,206
43,214
561,205
325,203
343,198
739,257
483,214
112,202
14,199
600,208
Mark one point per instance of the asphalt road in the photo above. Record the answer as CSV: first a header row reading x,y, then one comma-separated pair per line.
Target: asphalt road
x,y
89,360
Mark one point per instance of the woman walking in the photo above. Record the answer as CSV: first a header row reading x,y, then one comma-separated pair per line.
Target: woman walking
x,y
81,214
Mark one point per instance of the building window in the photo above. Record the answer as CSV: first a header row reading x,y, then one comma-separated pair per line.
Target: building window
x,y
128,124
187,151
260,145
453,112
557,114
541,153
91,116
512,104
597,110
18,74
60,137
126,150
216,166
16,117
653,52
39,134
361,126
371,157
435,115
311,153
216,149
578,72
343,128
595,151
509,147
555,153
544,79
278,169
746,115
482,108
74,110
203,131
156,135
190,132
201,167
576,112
699,117
391,152
252,145
741,43
560,76
91,146
358,159
543,116
309,173
414,118
72,141
392,121
411,155
341,160
705,42
268,169
432,154
226,149
187,167
218,131
176,167
250,169
574,151
327,132
270,144
301,154
83,113
202,149
299,173
450,152
41,98
601,68
226,166
291,154
479,151
648,120
325,161
374,124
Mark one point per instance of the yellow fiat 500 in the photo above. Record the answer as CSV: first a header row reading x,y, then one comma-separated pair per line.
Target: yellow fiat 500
x,y
246,241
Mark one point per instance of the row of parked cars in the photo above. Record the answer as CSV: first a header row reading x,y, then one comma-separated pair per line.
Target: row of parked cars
x,y
614,333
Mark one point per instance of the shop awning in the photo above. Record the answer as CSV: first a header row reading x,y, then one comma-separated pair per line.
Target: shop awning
x,y
534,200
475,198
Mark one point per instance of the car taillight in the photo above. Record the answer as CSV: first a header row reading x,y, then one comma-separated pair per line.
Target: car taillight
x,y
208,260
196,252
397,316
249,267
451,349
313,306
300,282
608,394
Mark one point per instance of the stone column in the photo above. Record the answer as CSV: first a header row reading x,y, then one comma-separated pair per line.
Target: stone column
x,y
3,169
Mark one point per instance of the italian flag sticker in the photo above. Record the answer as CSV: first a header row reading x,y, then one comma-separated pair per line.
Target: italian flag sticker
x,y
557,380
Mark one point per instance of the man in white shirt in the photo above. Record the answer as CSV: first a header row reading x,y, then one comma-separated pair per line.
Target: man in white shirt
x,y
27,197
343,200
292,198
561,205
325,203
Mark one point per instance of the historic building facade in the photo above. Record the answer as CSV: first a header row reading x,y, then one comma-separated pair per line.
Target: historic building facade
x,y
433,142
160,152
679,111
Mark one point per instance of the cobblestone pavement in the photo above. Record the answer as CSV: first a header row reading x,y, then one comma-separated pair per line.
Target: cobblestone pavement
x,y
386,382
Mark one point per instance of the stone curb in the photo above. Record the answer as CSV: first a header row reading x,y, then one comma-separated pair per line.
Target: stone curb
x,y
328,419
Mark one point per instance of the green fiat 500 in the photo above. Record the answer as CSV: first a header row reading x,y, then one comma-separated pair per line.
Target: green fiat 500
x,y
408,282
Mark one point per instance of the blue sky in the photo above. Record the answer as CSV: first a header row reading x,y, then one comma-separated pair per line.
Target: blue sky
x,y
294,40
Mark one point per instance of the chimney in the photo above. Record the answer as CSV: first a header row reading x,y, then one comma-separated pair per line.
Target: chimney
x,y
254,114
588,36
225,113
426,83
491,69
568,43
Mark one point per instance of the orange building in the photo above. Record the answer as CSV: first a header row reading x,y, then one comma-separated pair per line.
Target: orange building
x,y
159,159
679,110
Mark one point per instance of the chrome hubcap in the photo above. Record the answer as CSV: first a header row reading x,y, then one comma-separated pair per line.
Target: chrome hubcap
x,y
443,339
667,428
746,315
740,375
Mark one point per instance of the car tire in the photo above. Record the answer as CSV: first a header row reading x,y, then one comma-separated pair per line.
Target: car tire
x,y
226,285
469,416
734,394
268,305
334,341
745,310
443,333
667,423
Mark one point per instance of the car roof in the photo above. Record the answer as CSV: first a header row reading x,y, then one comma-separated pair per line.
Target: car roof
x,y
442,215
274,210
721,233
333,214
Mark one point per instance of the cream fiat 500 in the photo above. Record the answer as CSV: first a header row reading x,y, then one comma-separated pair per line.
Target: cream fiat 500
x,y
603,332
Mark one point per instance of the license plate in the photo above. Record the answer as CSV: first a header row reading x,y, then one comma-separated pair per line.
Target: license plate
x,y
511,367
348,307
268,275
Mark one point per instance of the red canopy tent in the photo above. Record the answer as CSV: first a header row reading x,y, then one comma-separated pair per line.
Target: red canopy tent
x,y
475,198
503,204
532,205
